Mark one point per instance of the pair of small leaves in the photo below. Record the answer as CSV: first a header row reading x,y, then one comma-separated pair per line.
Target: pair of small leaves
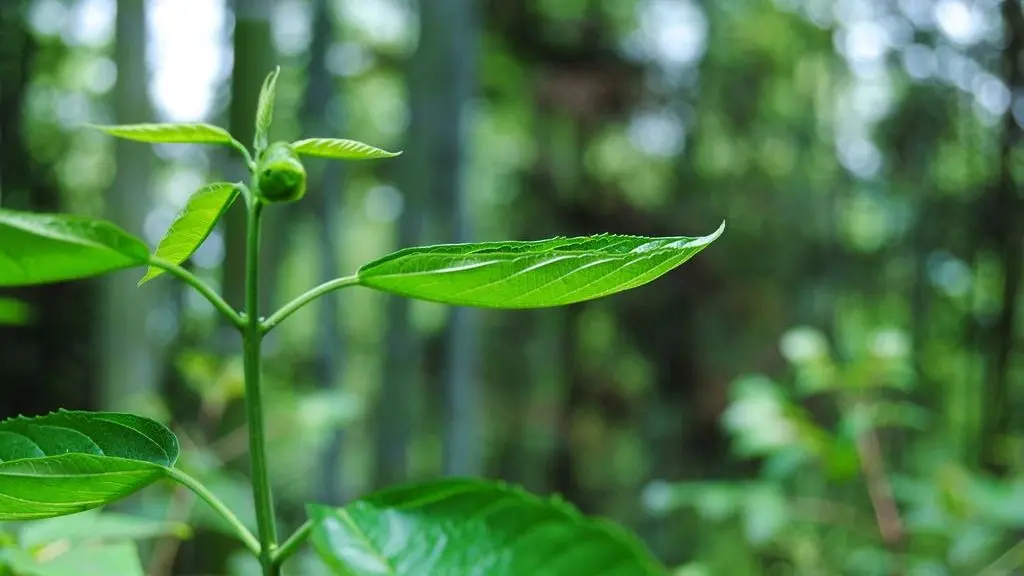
x,y
336,148
199,133
459,526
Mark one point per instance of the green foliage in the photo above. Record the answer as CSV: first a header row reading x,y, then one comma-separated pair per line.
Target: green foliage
x,y
340,149
14,312
530,274
265,110
94,525
91,543
193,224
461,526
121,558
169,133
68,462
43,248
280,175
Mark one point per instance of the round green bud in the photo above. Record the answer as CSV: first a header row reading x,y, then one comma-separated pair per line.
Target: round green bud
x,y
280,175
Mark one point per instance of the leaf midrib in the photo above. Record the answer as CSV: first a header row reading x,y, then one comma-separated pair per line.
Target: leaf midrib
x,y
347,519
141,463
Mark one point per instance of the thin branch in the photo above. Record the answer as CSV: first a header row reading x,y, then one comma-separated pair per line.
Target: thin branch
x,y
245,154
202,287
219,507
292,544
296,304
887,514
1005,564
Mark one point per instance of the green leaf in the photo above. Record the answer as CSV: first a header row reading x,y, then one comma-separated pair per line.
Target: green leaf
x,y
340,149
95,525
455,526
38,248
169,133
265,109
192,226
68,462
14,312
530,274
121,558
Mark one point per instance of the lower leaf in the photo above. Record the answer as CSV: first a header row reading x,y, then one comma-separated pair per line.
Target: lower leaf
x,y
455,527
69,462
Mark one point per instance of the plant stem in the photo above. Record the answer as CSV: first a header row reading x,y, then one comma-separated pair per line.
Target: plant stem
x,y
202,287
293,306
252,337
292,543
245,154
219,507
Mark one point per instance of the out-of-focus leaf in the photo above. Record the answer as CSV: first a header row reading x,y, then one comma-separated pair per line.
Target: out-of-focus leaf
x,y
14,312
120,559
96,525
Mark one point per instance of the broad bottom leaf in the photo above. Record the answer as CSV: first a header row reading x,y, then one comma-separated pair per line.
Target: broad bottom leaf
x,y
69,462
458,527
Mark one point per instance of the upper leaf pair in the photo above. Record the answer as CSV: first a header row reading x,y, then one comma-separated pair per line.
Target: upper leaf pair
x,y
200,133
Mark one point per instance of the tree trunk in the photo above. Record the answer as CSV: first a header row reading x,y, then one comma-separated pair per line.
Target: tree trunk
x,y
49,362
463,450
1009,242
403,356
128,361
324,204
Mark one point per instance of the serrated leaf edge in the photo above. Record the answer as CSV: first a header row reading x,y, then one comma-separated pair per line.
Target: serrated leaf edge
x,y
97,415
359,150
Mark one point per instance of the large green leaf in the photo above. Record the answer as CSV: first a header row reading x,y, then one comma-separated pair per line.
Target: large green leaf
x,y
455,527
168,133
119,558
38,248
530,274
193,224
265,109
68,462
340,149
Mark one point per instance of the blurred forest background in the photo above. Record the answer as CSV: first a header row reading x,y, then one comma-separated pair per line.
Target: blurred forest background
x,y
833,387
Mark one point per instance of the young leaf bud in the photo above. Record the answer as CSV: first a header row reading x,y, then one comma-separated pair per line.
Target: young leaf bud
x,y
280,175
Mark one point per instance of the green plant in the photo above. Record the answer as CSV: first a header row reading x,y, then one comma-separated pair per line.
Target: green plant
x,y
68,461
